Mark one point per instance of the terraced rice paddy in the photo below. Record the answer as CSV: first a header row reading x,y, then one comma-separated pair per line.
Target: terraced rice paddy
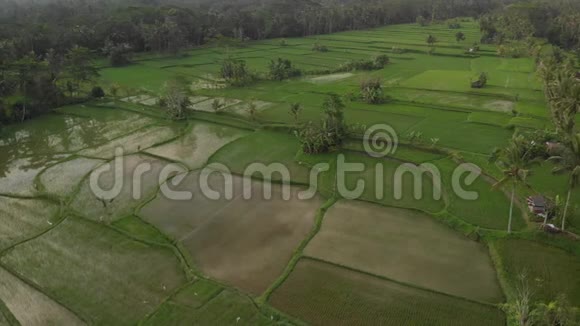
x,y
551,270
31,307
321,293
244,242
203,303
24,218
139,181
115,272
405,246
68,256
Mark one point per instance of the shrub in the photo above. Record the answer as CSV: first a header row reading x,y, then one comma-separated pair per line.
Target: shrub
x,y
217,106
235,72
328,134
372,91
480,82
319,47
512,50
252,109
357,65
281,69
313,138
431,40
398,50
295,110
97,92
473,49
454,25
421,21
114,89
174,100
376,63
381,61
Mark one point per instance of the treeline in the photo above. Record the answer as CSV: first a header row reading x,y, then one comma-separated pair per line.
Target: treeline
x,y
171,24
46,46
556,21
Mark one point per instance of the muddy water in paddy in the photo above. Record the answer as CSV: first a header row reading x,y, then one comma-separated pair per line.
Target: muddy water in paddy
x,y
244,242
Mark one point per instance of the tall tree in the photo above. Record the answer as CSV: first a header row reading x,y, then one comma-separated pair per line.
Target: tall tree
x,y
174,100
431,40
27,68
521,309
562,90
515,161
80,67
569,162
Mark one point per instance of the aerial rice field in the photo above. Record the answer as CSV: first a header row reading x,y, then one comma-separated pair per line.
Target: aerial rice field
x,y
71,257
243,242
551,270
322,293
406,246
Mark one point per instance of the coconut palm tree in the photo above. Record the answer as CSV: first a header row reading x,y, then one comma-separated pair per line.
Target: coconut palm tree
x,y
569,162
562,90
514,160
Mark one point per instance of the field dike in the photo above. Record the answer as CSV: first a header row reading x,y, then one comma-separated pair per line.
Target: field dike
x,y
298,253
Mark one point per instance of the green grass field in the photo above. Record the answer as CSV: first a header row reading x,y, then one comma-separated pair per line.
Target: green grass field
x,y
264,148
550,271
321,293
115,271
407,246
207,303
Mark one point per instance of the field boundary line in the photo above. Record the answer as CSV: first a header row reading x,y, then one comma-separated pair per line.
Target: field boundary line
x,y
136,238
182,132
298,253
214,296
222,148
38,177
482,94
8,315
43,292
242,123
61,215
253,177
162,158
39,196
187,271
122,105
164,301
384,278
500,271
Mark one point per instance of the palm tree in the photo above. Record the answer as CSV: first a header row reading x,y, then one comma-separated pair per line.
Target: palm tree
x,y
295,109
569,162
563,93
431,40
27,67
514,161
557,312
